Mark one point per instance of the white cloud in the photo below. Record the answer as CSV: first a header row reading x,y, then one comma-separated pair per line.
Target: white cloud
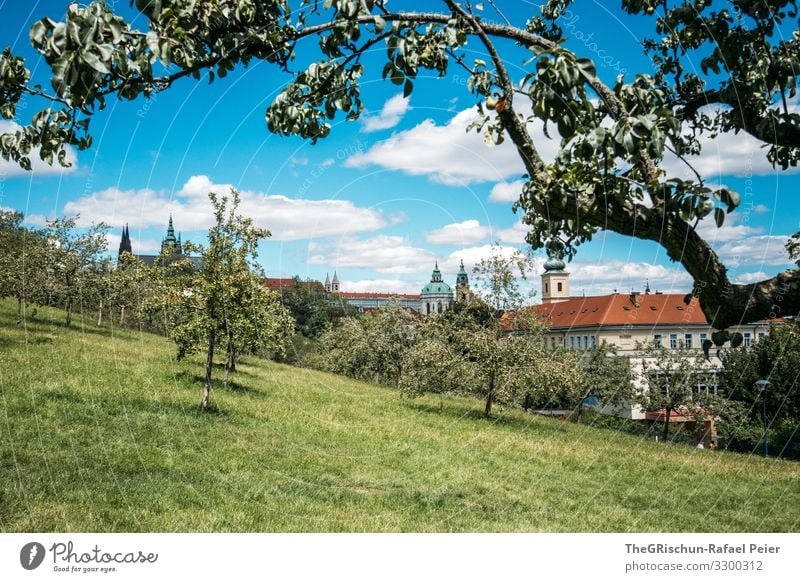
x,y
729,154
514,235
506,191
459,233
760,209
392,112
448,154
753,277
382,286
139,246
756,250
729,231
473,255
287,218
384,254
602,277
10,169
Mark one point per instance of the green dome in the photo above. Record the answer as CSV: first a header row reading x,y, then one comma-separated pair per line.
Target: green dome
x,y
554,264
439,287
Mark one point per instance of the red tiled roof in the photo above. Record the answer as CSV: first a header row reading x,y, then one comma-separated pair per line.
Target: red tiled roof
x,y
353,295
618,309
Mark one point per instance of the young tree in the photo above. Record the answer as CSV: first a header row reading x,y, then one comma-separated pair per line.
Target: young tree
x,y
775,358
220,302
74,259
455,354
673,378
23,253
610,172
372,347
497,278
609,377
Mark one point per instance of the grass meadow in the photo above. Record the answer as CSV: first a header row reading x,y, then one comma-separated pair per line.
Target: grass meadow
x,y
100,431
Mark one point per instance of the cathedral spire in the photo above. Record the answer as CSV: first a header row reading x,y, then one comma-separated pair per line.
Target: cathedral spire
x,y
125,241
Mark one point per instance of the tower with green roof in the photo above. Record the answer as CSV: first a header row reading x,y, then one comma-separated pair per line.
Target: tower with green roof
x,y
463,292
436,296
555,281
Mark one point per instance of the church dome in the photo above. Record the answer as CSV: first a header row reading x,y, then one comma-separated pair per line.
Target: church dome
x,y
554,264
436,287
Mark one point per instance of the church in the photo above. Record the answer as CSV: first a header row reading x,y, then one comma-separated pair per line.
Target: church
x,y
435,297
171,248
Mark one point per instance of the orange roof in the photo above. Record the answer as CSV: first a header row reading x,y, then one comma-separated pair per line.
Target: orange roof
x,y
352,295
618,309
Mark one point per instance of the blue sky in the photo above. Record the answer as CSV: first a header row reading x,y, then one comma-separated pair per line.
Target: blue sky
x,y
381,198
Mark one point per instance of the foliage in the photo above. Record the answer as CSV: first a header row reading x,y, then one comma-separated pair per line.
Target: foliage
x,y
614,138
456,354
609,377
23,256
224,301
312,309
371,347
497,278
775,358
75,262
677,380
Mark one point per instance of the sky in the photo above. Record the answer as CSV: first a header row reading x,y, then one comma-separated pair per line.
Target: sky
x,y
384,197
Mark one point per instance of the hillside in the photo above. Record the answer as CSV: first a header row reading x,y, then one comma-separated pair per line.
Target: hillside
x,y
101,432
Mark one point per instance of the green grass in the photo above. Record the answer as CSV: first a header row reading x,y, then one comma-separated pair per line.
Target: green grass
x,y
101,432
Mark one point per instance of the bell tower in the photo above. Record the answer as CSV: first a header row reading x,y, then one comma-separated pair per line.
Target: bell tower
x,y
555,281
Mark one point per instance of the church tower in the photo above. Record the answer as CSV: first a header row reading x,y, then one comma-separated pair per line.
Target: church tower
x,y
171,245
335,283
327,283
463,292
555,281
125,242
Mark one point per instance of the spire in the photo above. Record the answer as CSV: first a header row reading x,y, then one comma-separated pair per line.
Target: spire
x,y
462,278
125,241
335,283
647,288
436,276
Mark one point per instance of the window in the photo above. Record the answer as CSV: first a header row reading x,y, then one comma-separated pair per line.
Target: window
x,y
428,306
657,340
748,339
586,342
594,343
440,306
546,290
761,334
673,341
559,286
571,343
703,337
687,340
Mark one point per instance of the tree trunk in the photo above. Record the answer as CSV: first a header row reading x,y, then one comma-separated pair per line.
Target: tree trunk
x,y
489,398
209,366
19,310
69,312
666,424
121,315
100,314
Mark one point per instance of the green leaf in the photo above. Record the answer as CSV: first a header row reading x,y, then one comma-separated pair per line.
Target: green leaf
x,y
408,88
719,216
94,61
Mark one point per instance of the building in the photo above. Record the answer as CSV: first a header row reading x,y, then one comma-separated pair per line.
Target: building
x,y
625,320
171,247
436,296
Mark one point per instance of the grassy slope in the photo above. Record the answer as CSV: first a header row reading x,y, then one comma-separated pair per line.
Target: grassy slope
x,y
100,432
